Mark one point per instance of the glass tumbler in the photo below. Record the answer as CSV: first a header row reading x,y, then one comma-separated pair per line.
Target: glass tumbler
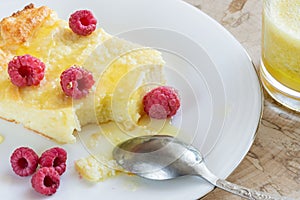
x,y
280,60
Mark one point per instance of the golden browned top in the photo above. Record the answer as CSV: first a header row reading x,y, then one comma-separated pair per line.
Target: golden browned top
x,y
20,26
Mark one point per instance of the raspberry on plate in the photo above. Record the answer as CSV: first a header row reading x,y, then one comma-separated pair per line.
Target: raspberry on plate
x,y
55,157
82,22
24,161
76,82
161,102
26,70
46,181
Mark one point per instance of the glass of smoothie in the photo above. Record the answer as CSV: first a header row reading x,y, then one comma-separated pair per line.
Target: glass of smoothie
x,y
280,62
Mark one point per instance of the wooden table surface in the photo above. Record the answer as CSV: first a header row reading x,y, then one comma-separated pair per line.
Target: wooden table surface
x,y
273,163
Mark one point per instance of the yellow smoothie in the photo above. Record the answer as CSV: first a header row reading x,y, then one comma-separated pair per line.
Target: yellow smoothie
x,y
281,41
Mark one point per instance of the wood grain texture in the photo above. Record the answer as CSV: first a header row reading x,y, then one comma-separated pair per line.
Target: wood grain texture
x,y
273,163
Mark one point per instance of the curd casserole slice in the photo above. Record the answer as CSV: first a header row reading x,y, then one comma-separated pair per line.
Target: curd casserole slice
x,y
118,67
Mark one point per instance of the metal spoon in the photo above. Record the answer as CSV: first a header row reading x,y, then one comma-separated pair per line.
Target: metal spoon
x,y
164,157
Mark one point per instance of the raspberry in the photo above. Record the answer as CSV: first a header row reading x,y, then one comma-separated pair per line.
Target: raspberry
x,y
26,70
45,181
76,82
161,102
24,161
55,157
82,22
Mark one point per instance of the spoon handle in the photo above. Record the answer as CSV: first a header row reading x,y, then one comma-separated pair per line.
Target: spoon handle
x,y
246,192
203,171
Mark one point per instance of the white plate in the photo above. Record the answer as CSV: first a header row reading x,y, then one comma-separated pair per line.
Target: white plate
x,y
220,91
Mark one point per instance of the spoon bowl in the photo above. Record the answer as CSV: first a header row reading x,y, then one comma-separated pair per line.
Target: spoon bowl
x,y
162,157
157,157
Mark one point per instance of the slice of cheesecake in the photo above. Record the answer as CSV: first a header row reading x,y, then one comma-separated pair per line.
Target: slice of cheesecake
x,y
119,68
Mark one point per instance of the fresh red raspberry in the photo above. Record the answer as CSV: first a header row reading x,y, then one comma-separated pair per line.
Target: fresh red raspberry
x,y
55,157
76,82
161,102
24,161
26,70
45,181
82,22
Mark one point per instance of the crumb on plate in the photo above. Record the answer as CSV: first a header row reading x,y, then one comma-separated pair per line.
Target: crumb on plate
x,y
97,169
1,139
